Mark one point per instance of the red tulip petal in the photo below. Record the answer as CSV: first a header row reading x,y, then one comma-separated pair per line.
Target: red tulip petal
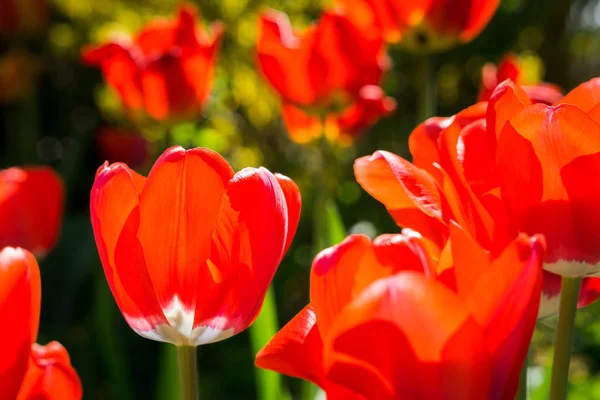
x,y
428,346
476,156
409,193
333,279
294,206
507,100
50,375
20,298
283,57
31,208
178,214
474,217
479,14
296,350
504,301
590,292
536,145
585,96
301,126
423,143
247,246
584,197
114,208
120,67
372,104
178,81
470,258
346,56
545,93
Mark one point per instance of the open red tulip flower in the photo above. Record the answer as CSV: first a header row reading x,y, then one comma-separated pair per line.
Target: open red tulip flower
x,y
31,208
424,25
511,68
166,71
385,322
500,168
29,370
190,251
327,75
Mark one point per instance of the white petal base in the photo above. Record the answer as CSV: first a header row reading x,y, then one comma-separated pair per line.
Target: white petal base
x,y
548,305
573,268
179,330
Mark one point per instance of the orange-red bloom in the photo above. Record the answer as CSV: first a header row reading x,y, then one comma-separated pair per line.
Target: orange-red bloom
x,y
501,168
511,68
330,70
116,144
190,251
424,25
24,17
31,208
385,322
166,71
28,370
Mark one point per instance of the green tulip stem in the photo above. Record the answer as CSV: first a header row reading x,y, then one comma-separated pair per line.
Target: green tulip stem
x,y
564,337
188,373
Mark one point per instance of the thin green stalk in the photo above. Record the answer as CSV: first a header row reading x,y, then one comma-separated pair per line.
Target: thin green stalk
x,y
105,312
268,383
30,130
23,130
522,392
559,382
188,373
167,385
428,88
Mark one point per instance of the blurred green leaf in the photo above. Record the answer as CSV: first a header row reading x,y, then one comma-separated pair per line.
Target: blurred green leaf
x,y
167,385
262,330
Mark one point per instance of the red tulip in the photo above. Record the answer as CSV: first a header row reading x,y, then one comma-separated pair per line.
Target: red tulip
x,y
384,323
28,370
31,208
23,17
479,168
20,297
203,274
50,375
424,25
510,68
166,71
115,144
546,158
330,71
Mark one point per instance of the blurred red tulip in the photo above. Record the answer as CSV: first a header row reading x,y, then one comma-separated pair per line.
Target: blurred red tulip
x,y
23,17
510,68
122,145
31,208
437,334
20,297
166,71
424,25
202,276
50,375
500,168
28,370
330,71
